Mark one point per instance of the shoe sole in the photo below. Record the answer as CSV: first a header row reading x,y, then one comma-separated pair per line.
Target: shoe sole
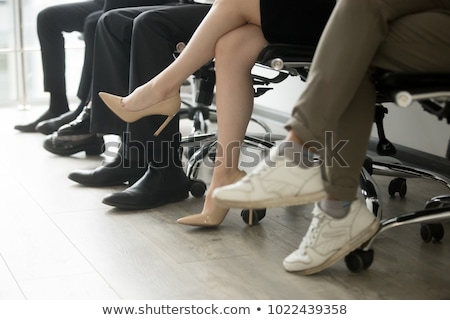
x,y
90,151
111,183
360,239
108,184
273,203
128,206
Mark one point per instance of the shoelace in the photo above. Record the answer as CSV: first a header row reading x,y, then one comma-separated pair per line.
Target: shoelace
x,y
263,166
311,236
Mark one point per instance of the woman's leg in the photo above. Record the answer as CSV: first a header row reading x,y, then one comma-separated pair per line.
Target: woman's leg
x,y
234,100
223,17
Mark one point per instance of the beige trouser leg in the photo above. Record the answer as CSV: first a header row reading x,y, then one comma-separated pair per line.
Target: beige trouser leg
x,y
400,35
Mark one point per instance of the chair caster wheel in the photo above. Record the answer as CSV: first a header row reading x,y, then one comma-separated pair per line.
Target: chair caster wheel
x,y
258,215
359,260
432,231
197,188
397,185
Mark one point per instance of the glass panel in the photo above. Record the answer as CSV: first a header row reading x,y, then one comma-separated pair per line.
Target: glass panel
x,y
34,74
13,58
8,90
7,25
30,10
32,59
8,79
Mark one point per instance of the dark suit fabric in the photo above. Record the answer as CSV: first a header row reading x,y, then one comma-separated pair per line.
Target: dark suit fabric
x,y
51,23
132,46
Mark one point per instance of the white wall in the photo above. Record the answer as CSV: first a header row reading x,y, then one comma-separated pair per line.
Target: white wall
x,y
283,97
411,127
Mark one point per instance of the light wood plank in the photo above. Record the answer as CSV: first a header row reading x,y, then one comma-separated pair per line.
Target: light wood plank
x,y
9,289
58,241
74,287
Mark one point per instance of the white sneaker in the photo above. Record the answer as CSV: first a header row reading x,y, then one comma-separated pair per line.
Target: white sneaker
x,y
329,239
275,182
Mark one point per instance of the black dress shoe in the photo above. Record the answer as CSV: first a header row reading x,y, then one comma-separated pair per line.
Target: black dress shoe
x,y
80,126
31,127
157,187
113,173
49,126
67,145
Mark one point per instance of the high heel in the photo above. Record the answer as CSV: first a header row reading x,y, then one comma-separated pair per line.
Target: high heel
x,y
205,219
168,107
212,219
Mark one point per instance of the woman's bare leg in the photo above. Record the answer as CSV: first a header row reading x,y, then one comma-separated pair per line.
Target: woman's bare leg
x,y
236,53
224,16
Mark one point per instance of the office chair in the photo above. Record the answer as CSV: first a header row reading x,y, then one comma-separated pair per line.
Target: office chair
x,y
432,92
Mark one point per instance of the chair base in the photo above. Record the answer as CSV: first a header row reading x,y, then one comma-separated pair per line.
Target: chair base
x,y
436,210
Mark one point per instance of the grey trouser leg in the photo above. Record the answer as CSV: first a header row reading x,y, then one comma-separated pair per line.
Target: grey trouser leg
x,y
399,35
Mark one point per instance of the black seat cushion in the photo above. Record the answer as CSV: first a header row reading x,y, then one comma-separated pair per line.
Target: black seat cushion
x,y
414,83
288,53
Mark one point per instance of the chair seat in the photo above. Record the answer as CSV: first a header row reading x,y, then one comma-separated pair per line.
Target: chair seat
x,y
288,53
386,80
413,83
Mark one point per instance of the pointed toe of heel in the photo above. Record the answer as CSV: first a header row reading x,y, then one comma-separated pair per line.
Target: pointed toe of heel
x,y
204,220
114,103
192,220
212,218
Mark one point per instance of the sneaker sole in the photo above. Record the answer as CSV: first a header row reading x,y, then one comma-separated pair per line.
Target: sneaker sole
x,y
360,239
273,203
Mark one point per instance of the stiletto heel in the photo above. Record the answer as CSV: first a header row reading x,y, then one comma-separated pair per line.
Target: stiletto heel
x,y
168,107
208,219
250,217
163,125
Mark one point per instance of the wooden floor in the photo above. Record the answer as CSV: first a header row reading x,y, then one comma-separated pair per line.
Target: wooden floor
x,y
58,241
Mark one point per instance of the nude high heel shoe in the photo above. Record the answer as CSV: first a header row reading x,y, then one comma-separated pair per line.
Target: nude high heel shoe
x,y
210,219
168,107
205,219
